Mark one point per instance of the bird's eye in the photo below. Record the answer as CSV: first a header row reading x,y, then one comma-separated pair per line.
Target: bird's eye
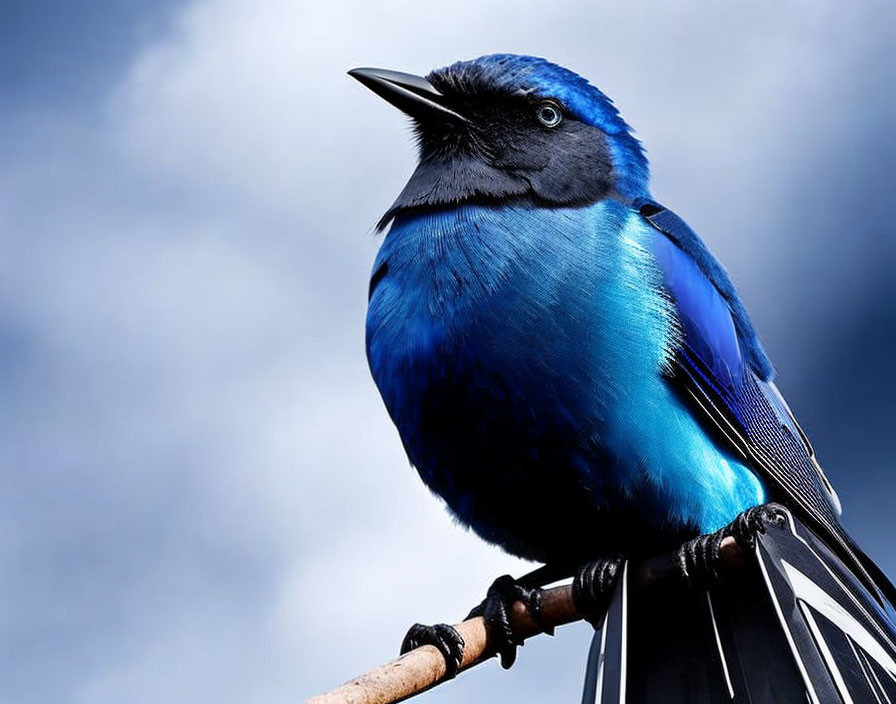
x,y
549,113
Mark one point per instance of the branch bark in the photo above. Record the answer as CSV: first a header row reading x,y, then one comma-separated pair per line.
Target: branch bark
x,y
424,667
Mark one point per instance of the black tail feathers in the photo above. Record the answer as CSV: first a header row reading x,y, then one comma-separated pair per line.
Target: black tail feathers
x,y
793,625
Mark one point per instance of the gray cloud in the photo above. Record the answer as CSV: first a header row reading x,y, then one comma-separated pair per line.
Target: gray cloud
x,y
203,497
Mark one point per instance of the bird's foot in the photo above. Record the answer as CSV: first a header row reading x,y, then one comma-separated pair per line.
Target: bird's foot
x,y
495,611
755,521
592,587
701,558
443,637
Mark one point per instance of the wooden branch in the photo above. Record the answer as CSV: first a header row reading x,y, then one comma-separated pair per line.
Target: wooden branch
x,y
424,667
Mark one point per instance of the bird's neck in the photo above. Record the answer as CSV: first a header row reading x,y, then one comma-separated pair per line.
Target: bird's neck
x,y
466,179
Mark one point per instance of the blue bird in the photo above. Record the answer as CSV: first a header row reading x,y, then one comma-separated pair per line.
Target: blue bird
x,y
567,365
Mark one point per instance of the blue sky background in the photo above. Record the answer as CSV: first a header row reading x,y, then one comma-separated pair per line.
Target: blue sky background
x,y
202,496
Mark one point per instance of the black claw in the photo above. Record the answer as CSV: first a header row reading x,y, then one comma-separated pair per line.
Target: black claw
x,y
700,559
754,521
535,603
592,587
495,611
445,638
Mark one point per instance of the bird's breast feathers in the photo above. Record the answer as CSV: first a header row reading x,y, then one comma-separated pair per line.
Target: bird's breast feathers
x,y
570,294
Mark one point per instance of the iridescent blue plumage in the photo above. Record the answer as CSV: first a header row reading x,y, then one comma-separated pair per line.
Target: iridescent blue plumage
x,y
573,378
521,353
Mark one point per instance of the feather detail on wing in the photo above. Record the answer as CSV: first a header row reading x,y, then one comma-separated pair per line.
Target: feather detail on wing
x,y
725,378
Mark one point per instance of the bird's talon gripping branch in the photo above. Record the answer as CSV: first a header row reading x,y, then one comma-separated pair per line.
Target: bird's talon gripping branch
x,y
495,611
441,636
592,587
754,521
699,559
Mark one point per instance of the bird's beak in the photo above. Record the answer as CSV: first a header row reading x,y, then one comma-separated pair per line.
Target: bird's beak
x,y
413,95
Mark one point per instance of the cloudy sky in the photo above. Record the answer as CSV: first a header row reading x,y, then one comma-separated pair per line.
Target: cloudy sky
x,y
202,497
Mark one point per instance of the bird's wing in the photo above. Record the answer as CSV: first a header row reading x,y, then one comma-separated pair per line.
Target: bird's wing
x,y
726,380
